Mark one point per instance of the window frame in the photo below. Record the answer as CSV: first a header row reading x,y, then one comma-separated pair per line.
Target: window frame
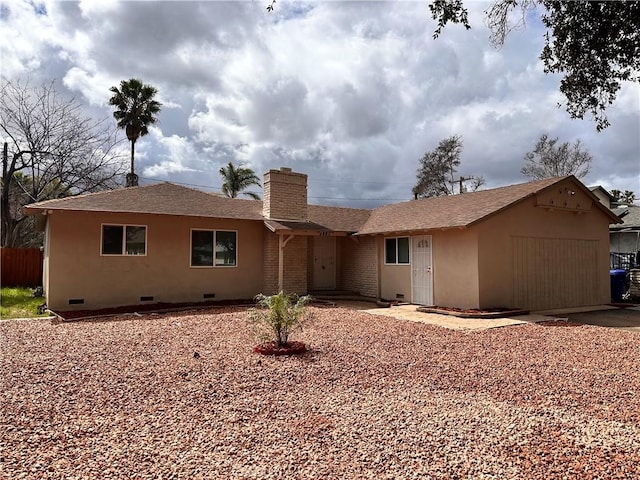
x,y
397,251
215,237
123,252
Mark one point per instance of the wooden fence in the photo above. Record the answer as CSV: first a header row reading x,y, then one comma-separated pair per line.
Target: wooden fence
x,y
21,267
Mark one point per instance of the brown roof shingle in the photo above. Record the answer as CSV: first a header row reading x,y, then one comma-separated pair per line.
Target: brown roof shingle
x,y
450,211
170,199
416,215
338,218
160,198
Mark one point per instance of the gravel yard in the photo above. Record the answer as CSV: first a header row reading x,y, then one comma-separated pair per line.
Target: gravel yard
x,y
375,398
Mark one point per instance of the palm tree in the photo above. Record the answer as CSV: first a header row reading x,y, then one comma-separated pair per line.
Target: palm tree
x,y
235,180
136,109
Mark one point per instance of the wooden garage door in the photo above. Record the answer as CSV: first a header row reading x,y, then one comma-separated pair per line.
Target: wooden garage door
x,y
554,272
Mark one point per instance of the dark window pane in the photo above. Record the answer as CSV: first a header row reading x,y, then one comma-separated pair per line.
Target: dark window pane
x,y
136,240
390,250
226,248
201,248
403,250
112,239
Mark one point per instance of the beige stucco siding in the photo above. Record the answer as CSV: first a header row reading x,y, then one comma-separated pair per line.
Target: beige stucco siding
x,y
77,270
455,268
538,258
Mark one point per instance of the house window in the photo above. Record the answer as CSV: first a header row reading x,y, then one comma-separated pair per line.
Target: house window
x,y
226,249
124,240
213,248
396,251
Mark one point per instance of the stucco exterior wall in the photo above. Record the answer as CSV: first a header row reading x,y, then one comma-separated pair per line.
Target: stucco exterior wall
x,y
455,268
538,225
358,266
77,270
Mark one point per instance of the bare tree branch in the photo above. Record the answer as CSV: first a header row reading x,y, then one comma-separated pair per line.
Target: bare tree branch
x,y
550,159
54,150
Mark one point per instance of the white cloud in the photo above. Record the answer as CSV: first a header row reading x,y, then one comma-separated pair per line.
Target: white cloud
x,y
350,93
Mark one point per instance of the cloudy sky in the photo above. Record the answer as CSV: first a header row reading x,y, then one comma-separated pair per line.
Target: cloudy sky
x,y
350,93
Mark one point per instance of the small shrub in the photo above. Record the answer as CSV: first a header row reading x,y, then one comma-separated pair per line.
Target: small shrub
x,y
277,316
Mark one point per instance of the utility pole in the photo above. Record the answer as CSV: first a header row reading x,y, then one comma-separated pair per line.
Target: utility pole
x,y
460,182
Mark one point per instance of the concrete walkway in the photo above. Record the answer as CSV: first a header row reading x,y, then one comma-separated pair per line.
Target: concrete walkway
x,y
408,312
600,315
620,318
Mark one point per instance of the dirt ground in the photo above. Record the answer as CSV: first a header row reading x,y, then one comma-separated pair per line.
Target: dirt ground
x,y
183,395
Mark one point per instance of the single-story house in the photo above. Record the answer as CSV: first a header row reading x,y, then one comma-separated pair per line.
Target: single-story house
x,y
604,196
537,245
625,236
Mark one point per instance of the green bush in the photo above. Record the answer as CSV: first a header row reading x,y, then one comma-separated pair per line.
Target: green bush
x,y
277,316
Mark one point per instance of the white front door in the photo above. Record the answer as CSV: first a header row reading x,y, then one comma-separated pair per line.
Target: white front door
x,y
421,272
324,263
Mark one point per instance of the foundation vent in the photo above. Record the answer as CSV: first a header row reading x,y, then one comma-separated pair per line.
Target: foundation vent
x,y
76,301
400,296
146,299
209,295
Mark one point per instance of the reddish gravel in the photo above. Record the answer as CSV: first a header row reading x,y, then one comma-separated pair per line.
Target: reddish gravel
x,y
374,398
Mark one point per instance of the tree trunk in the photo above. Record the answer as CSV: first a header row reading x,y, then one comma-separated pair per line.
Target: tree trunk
x,y
133,149
7,224
132,178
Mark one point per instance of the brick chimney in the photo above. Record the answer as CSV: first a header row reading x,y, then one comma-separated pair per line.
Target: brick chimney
x,y
285,195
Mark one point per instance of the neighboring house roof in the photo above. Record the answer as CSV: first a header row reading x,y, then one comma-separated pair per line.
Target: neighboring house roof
x,y
456,211
161,198
603,190
630,216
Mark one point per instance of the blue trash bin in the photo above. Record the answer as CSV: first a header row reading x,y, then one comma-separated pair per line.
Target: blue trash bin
x,y
618,284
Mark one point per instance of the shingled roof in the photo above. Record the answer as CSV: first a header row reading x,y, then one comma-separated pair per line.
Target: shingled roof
x,y
170,199
160,198
630,216
338,218
416,215
455,211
